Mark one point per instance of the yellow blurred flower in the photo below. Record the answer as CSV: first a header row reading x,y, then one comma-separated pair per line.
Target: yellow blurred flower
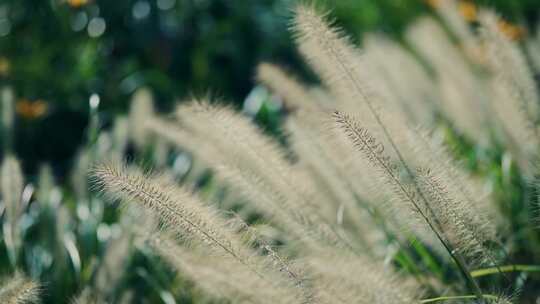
x,y
77,3
31,109
468,10
4,66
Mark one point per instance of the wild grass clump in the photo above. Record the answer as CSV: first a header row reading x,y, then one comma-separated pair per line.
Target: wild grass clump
x,y
369,200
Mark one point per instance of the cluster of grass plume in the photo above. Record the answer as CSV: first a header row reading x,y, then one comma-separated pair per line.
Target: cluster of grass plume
x,y
366,172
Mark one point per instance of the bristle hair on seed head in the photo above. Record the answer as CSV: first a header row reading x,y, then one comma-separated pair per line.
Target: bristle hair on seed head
x,y
179,210
19,289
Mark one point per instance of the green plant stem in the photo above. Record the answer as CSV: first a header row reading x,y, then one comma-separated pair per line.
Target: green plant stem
x,y
507,268
451,298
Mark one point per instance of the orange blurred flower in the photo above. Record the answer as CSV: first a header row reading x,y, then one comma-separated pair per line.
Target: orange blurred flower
x,y
468,10
514,32
4,66
77,3
433,3
31,109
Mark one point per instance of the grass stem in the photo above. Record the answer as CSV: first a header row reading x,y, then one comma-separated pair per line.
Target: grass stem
x,y
452,298
507,268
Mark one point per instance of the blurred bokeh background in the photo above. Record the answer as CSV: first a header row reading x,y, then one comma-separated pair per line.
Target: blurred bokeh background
x,y
55,54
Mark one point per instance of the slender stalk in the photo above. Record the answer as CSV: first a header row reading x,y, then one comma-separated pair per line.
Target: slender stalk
x,y
452,298
507,268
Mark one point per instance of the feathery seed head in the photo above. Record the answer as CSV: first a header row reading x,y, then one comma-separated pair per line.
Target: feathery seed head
x,y
373,283
141,110
46,184
19,290
120,136
12,188
7,108
224,277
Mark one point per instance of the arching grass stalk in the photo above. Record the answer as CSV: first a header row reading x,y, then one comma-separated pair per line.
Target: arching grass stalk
x,y
453,298
507,268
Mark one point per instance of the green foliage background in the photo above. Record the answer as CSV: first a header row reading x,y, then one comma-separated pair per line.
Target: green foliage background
x,y
175,47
